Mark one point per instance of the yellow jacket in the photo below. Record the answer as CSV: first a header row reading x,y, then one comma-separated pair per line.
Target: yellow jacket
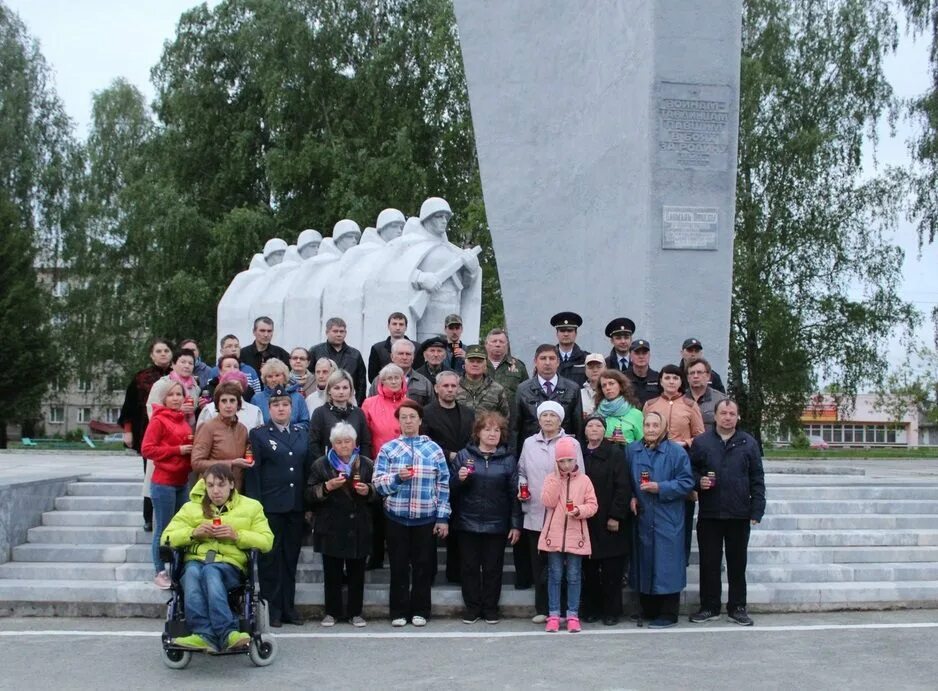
x,y
242,513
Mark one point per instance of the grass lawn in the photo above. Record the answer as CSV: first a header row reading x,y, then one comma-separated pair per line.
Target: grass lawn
x,y
911,454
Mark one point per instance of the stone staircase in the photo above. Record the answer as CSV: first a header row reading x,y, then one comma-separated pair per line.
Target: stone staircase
x,y
827,543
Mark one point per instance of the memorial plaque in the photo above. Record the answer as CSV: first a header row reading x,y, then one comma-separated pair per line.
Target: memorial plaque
x,y
689,227
693,126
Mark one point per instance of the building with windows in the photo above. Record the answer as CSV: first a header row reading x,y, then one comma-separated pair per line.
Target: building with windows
x,y
84,405
830,419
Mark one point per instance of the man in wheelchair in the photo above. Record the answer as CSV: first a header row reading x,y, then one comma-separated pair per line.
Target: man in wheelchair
x,y
214,529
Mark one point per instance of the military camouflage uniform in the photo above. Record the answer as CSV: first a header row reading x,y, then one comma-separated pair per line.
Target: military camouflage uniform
x,y
485,394
510,373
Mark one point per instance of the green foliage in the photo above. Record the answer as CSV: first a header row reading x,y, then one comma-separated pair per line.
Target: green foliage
x,y
911,388
815,274
799,440
270,117
26,344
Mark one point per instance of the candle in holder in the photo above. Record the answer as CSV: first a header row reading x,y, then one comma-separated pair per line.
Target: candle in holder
x,y
712,476
471,466
523,492
216,521
249,455
646,477
569,505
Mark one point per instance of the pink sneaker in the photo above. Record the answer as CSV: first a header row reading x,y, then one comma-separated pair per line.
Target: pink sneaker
x,y
553,625
573,625
161,581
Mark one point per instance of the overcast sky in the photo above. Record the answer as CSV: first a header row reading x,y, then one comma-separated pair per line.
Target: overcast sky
x,y
89,43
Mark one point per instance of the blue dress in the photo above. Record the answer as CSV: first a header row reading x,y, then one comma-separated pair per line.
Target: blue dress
x,y
659,566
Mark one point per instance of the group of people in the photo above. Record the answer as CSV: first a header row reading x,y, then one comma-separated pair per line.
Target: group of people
x,y
590,469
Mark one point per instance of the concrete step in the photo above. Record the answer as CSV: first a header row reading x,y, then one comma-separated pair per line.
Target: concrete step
x,y
130,598
97,503
61,571
114,519
85,488
71,553
841,538
850,522
918,492
850,506
82,535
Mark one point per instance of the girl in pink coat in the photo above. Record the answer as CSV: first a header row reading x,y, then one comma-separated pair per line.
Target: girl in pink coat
x,y
569,499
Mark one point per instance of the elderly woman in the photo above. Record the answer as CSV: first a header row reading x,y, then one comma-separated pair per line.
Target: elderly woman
x,y
168,445
275,375
340,488
215,561
249,414
316,393
411,473
339,407
300,376
684,421
610,528
277,479
616,403
534,465
380,409
134,417
661,479
223,439
486,484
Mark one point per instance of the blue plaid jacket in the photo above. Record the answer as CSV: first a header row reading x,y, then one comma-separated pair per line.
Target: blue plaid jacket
x,y
424,497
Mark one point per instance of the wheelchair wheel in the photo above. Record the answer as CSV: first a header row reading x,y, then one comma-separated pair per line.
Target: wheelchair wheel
x,y
265,652
176,659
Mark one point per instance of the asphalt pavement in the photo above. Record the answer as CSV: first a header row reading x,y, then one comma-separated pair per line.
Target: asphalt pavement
x,y
864,650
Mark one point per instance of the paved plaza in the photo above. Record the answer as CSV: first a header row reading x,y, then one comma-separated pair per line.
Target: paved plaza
x,y
869,650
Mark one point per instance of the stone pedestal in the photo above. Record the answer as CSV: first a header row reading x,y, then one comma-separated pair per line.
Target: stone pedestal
x,y
606,133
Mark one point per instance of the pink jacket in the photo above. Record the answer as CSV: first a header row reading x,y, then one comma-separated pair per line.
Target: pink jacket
x,y
561,532
379,414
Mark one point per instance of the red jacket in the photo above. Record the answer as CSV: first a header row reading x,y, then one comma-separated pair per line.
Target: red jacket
x,y
167,431
379,414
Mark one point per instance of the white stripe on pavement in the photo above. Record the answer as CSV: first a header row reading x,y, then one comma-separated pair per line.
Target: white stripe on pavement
x,y
687,630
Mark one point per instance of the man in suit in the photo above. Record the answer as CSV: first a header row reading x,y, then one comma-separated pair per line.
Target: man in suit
x,y
620,331
572,357
277,480
545,385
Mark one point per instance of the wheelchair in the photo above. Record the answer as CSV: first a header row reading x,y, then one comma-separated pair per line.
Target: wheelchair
x,y
245,602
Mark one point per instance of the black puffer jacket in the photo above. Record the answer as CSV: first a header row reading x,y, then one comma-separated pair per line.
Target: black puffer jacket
x,y
488,501
608,470
740,486
324,419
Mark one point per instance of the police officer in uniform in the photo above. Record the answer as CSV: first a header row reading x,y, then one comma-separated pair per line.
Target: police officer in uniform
x,y
572,357
277,480
620,331
644,379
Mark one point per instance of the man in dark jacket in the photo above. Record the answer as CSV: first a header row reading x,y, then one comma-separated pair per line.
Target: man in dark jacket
x,y
342,354
455,349
449,424
381,351
644,379
728,474
434,357
572,357
262,350
619,332
545,385
692,349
